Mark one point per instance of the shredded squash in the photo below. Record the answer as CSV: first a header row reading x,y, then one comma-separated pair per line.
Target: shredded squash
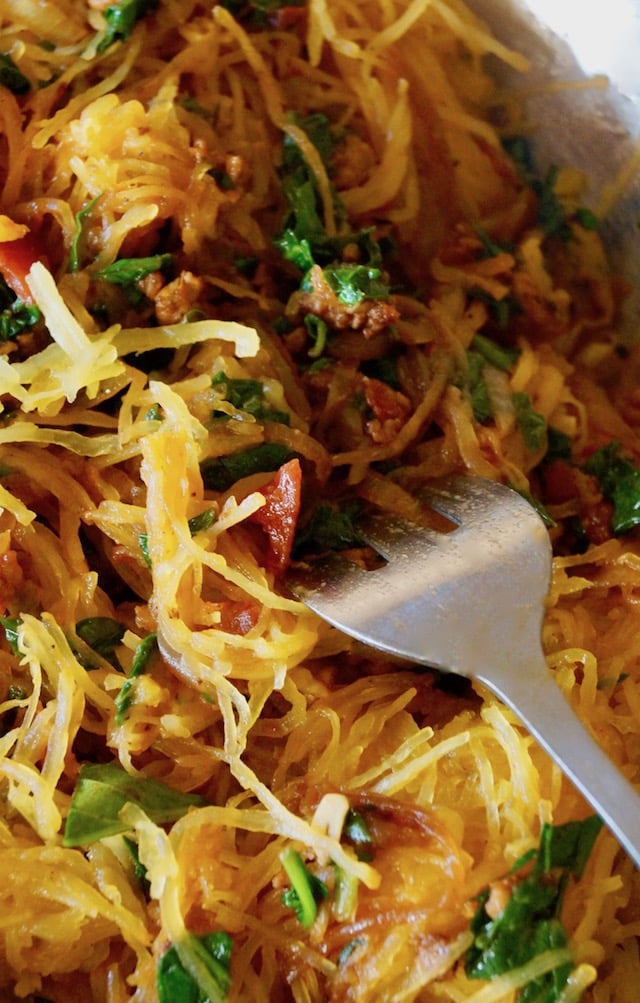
x,y
264,266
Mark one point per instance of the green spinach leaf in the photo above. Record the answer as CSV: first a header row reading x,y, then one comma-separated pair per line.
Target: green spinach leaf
x,y
12,77
141,659
15,315
619,480
532,424
102,791
101,633
185,966
306,889
248,395
331,526
530,922
219,473
122,18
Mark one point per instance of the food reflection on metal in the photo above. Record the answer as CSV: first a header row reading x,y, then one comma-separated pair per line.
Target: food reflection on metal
x,y
583,100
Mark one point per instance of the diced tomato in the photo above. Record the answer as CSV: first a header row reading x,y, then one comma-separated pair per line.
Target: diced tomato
x,y
287,17
279,515
238,617
559,482
385,402
596,520
16,259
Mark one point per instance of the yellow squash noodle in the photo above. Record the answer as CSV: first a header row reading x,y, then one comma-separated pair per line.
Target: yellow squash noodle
x,y
263,266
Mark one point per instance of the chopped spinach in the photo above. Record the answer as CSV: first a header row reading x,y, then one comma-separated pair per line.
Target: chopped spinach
x,y
126,272
197,524
355,283
587,218
248,395
477,387
101,793
538,506
331,527
492,248
219,473
184,968
558,445
501,311
384,369
619,480
500,356
101,633
530,922
303,240
551,213
223,180
356,833
75,248
12,77
306,889
141,658
318,332
201,522
143,542
15,315
121,19
11,626
139,870
258,13
532,424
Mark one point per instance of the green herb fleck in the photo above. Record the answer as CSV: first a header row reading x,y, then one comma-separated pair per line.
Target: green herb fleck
x,y
12,77
221,472
143,543
196,970
15,315
492,248
75,248
501,357
306,889
141,658
619,481
248,395
558,445
128,271
318,332
121,19
102,634
11,626
532,424
477,387
356,833
355,283
538,506
201,522
331,527
139,870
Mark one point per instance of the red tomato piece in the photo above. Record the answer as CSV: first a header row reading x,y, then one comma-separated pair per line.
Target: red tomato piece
x,y
16,259
279,515
238,617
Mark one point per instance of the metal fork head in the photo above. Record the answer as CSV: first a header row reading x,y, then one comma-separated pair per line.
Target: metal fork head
x,y
467,601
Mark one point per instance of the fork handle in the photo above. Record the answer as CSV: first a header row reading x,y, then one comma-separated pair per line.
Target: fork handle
x,y
550,719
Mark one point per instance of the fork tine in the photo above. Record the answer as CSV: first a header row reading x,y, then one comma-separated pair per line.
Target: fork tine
x,y
393,536
468,501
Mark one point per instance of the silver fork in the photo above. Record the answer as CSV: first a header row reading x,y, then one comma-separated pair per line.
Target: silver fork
x,y
471,601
